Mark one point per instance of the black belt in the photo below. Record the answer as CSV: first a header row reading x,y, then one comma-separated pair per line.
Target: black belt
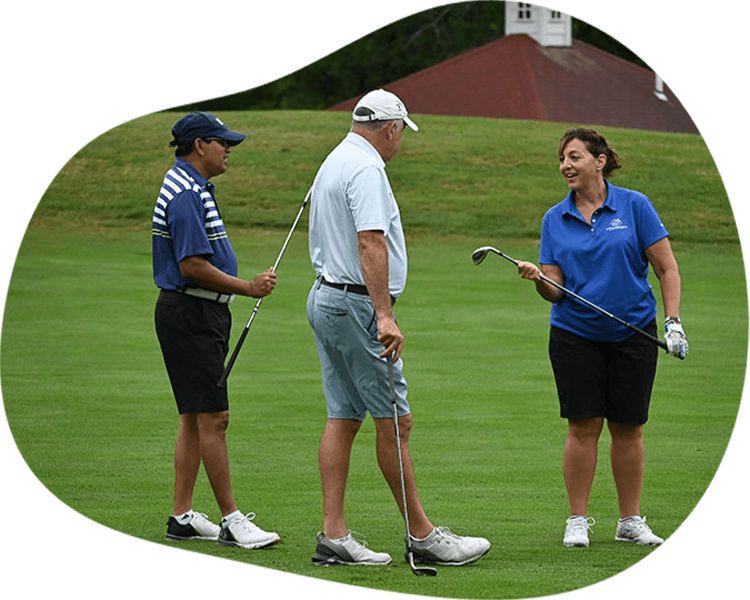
x,y
347,287
354,288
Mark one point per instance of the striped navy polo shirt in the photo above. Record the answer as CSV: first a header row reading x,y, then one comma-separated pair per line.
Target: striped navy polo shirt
x,y
187,223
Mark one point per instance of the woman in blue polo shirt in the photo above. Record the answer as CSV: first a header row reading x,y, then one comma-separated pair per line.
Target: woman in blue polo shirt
x,y
598,243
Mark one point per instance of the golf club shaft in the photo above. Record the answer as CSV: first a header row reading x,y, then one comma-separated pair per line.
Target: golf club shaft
x,y
392,386
420,571
243,335
657,341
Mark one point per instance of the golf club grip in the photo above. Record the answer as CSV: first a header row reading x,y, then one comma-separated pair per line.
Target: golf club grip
x,y
391,382
656,341
238,347
233,358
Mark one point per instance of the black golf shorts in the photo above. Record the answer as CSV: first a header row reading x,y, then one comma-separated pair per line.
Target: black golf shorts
x,y
604,379
194,338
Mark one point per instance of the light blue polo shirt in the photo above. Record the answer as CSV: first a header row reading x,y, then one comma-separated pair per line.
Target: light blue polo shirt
x,y
351,193
604,262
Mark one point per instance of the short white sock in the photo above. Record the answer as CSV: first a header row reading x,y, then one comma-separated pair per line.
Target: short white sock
x,y
185,518
416,539
228,518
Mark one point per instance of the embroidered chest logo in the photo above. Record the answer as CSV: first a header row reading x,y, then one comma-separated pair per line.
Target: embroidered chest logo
x,y
616,224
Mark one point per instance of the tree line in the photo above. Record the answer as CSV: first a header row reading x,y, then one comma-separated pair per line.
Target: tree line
x,y
392,52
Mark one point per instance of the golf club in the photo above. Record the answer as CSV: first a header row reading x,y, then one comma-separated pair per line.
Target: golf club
x,y
233,358
422,571
481,253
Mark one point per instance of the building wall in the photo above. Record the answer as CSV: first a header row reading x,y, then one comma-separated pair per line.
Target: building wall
x,y
548,27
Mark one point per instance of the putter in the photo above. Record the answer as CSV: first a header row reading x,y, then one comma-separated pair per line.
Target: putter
x,y
233,358
422,571
481,253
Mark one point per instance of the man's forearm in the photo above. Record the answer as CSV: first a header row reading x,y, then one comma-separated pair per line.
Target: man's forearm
x,y
204,274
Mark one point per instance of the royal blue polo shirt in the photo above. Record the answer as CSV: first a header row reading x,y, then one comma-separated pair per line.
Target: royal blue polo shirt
x,y
604,262
187,223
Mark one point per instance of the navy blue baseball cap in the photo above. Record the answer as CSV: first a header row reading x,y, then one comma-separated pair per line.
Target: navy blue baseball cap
x,y
202,125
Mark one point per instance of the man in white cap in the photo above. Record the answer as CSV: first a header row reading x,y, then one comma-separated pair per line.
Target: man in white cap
x,y
358,252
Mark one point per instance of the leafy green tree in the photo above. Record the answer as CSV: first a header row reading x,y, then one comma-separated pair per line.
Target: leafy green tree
x,y
395,51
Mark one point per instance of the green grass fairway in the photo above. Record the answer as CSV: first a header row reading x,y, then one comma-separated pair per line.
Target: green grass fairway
x,y
89,405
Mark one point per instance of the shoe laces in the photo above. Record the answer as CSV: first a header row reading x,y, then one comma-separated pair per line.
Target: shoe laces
x,y
245,521
638,525
585,523
360,539
444,534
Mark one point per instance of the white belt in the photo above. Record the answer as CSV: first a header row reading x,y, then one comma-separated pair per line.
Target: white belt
x,y
209,295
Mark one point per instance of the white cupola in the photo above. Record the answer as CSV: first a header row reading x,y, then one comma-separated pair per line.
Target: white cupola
x,y
547,27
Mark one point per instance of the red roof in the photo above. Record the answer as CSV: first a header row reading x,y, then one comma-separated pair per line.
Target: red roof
x,y
514,77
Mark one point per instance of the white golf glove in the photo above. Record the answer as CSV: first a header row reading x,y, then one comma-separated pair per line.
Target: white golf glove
x,y
674,337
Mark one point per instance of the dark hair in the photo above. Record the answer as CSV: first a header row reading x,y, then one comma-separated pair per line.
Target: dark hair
x,y
184,149
596,145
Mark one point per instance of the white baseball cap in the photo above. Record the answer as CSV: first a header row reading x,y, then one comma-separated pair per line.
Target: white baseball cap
x,y
385,106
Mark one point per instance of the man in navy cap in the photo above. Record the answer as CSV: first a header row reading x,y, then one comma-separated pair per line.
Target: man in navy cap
x,y
195,269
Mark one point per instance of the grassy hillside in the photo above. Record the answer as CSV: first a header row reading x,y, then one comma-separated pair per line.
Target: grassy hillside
x,y
465,176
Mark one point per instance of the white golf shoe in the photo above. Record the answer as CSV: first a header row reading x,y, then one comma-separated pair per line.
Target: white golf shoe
x,y
241,531
634,529
443,547
577,531
198,528
347,551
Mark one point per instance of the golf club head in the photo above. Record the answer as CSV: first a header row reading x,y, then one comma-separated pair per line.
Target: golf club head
x,y
421,571
479,255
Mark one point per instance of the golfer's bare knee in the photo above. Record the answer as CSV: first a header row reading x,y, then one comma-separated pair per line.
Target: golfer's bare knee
x,y
404,426
585,429
625,433
385,427
213,423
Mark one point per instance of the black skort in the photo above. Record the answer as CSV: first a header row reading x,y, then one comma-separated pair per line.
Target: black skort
x,y
604,379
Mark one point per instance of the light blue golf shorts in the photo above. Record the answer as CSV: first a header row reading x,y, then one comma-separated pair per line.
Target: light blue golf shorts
x,y
355,378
